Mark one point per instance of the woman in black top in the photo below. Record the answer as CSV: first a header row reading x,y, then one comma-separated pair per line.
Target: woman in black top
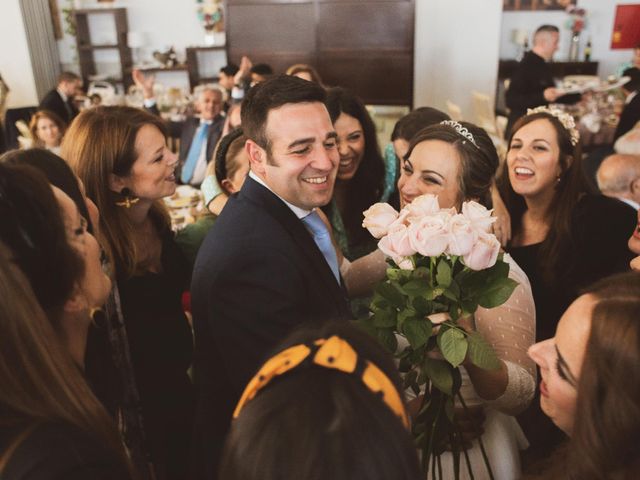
x,y
564,236
121,156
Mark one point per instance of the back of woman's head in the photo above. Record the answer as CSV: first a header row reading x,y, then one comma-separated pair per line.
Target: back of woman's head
x,y
315,422
57,171
39,381
606,433
33,228
226,155
416,120
101,142
478,156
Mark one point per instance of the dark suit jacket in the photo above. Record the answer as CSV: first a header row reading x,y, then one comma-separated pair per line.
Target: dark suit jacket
x,y
53,102
258,275
629,117
186,130
532,76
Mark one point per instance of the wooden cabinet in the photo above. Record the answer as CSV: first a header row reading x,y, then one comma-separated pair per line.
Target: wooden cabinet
x,y
88,47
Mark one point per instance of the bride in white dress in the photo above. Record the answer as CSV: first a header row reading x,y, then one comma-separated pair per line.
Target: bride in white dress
x,y
457,162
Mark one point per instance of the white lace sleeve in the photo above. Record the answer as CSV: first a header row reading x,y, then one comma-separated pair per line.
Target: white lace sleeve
x,y
361,275
510,330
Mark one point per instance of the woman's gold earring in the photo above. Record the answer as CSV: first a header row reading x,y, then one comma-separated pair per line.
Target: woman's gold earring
x,y
128,199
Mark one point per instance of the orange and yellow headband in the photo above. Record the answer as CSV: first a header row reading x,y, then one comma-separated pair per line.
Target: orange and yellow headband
x,y
334,353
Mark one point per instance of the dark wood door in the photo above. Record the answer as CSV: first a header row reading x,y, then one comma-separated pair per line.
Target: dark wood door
x,y
364,45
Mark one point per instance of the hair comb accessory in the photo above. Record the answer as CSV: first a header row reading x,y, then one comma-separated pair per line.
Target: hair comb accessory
x,y
462,131
564,118
128,200
333,353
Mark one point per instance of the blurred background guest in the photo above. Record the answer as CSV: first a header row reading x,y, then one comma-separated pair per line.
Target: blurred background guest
x,y
60,99
619,177
306,72
47,130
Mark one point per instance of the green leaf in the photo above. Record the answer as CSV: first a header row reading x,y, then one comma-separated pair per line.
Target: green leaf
x,y
383,318
453,345
440,373
421,306
388,340
481,354
403,315
415,288
420,273
443,274
391,293
497,292
417,331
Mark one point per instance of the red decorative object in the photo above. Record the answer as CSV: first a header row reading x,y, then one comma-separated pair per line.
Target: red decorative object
x,y
626,27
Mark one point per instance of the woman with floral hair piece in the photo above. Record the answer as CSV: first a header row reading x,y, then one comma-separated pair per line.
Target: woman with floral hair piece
x,y
564,236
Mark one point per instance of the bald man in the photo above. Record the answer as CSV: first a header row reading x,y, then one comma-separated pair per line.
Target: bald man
x,y
532,82
619,177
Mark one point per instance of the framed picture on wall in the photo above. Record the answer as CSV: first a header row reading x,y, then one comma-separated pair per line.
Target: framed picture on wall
x,y
508,5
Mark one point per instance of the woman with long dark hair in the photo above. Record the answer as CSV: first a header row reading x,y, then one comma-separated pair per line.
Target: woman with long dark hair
x,y
361,174
564,236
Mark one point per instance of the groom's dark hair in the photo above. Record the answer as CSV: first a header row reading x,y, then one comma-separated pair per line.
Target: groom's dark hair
x,y
271,94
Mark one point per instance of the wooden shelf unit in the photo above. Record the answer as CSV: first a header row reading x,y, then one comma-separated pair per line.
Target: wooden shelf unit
x,y
86,48
193,67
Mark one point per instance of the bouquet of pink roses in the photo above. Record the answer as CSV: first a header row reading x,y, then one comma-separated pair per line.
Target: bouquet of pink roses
x,y
443,265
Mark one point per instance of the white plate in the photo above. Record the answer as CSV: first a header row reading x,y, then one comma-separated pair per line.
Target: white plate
x,y
609,86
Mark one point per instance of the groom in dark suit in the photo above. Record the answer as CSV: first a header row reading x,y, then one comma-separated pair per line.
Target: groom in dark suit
x,y
261,272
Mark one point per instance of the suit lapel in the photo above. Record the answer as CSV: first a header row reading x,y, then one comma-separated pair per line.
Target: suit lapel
x,y
268,201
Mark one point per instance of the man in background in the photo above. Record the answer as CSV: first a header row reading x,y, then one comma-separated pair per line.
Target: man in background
x,y
60,99
619,177
532,82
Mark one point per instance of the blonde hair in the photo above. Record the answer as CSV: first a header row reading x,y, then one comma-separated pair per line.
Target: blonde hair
x,y
101,143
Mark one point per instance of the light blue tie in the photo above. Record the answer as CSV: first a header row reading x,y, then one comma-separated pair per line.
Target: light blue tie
x,y
321,236
194,153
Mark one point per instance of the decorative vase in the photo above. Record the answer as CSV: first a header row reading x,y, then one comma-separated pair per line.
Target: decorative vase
x,y
574,47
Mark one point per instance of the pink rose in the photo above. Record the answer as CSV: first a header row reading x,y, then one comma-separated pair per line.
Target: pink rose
x,y
484,252
396,243
438,318
421,206
461,235
378,218
478,215
430,235
405,263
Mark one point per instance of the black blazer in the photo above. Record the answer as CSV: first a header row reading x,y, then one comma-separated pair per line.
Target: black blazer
x,y
53,102
258,275
530,79
629,117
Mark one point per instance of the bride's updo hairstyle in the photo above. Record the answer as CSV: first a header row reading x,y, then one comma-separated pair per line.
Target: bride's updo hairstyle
x,y
478,157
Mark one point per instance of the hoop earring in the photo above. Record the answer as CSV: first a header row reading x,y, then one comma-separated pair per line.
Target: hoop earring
x,y
128,199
